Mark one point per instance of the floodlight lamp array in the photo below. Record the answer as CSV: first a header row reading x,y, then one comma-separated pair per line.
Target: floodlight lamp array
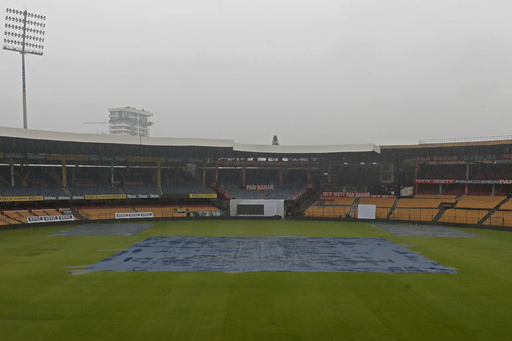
x,y
24,32
30,15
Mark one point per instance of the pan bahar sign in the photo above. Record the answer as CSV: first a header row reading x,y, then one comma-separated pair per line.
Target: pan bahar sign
x,y
259,187
346,194
356,195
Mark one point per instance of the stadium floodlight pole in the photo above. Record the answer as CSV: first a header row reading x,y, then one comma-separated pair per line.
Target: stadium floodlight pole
x,y
24,33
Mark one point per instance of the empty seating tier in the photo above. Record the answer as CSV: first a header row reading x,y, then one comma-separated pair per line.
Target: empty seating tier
x,y
421,203
328,211
17,217
459,216
500,218
103,213
175,211
158,211
414,214
507,206
479,202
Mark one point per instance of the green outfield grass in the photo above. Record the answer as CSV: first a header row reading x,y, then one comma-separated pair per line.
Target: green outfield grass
x,y
40,298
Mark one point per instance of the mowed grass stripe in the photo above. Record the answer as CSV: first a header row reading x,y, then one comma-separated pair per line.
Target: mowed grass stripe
x,y
41,300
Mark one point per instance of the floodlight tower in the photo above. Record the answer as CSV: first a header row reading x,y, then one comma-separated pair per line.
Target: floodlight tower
x,y
24,33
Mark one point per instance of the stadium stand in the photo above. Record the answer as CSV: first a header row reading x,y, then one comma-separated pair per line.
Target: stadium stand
x,y
31,181
414,214
507,206
25,214
422,202
331,208
52,212
500,218
40,213
263,176
97,213
45,212
167,211
479,202
464,183
463,216
18,216
138,181
159,211
6,220
418,209
176,182
328,211
230,177
91,181
341,207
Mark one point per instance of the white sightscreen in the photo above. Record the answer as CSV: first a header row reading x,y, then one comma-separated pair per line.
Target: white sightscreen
x,y
366,211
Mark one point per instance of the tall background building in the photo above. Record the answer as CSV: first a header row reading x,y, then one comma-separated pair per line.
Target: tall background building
x,y
129,121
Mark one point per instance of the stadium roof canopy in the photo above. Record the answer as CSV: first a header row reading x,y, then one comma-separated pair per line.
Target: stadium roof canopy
x,y
15,140
481,148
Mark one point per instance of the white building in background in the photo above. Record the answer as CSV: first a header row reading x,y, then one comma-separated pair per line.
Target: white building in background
x,y
129,121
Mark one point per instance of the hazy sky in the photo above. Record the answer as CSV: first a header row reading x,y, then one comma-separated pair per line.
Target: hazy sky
x,y
310,72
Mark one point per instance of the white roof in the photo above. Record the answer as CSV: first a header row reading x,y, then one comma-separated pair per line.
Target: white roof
x,y
172,141
339,148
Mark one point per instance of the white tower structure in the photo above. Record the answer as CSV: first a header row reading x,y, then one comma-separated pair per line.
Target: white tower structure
x,y
129,121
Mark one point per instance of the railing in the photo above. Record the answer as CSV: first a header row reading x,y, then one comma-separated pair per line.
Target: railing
x,y
495,221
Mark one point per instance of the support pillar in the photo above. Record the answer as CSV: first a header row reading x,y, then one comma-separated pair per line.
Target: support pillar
x,y
466,187
309,174
64,175
216,175
416,169
159,174
204,173
112,174
12,173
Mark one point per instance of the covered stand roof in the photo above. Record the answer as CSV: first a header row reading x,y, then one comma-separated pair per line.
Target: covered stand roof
x,y
15,140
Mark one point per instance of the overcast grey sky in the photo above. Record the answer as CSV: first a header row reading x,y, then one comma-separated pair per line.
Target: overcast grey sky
x,y
312,72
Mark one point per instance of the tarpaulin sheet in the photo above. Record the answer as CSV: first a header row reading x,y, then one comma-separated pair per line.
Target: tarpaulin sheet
x,y
242,254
